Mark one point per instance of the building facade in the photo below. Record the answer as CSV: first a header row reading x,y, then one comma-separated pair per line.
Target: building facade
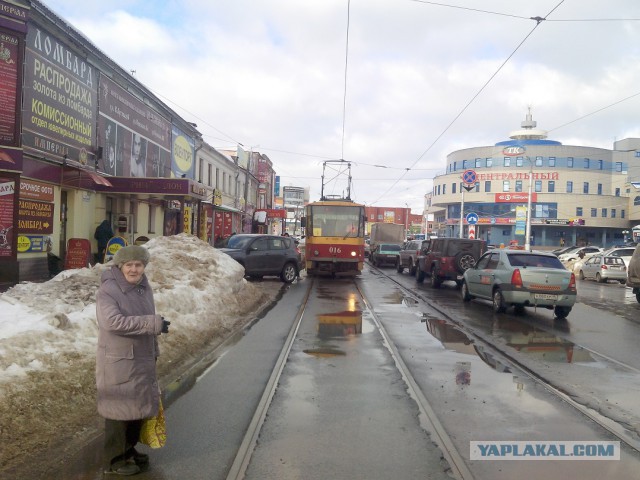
x,y
577,195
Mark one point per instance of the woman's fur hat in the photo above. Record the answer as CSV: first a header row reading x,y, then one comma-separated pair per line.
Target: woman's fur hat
x,y
131,253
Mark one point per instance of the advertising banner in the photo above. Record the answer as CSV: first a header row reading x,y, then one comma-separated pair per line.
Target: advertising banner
x,y
134,138
7,197
183,155
31,243
9,64
59,100
36,190
514,197
78,253
35,217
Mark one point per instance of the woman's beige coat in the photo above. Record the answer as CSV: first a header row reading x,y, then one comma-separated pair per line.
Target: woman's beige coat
x,y
128,329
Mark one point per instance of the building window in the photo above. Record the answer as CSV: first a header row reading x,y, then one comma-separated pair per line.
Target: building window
x,y
518,185
594,212
569,186
599,189
224,182
487,186
477,185
453,187
578,211
218,178
551,186
552,161
613,213
604,213
455,166
538,186
438,190
618,166
586,163
599,164
622,213
478,162
519,161
489,162
569,162
617,191
538,161
464,164
209,174
507,162
585,187
636,201
444,188
505,186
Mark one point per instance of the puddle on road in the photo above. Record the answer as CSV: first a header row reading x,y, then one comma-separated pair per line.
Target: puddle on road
x,y
324,352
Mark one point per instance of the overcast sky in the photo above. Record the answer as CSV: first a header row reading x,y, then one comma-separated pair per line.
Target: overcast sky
x,y
423,79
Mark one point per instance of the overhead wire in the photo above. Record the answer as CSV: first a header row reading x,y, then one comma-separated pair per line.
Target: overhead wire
x,y
538,22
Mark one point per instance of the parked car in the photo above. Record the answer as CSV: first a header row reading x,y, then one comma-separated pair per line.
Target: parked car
x,y
447,258
520,278
409,254
633,273
623,252
265,255
559,251
602,268
575,254
385,254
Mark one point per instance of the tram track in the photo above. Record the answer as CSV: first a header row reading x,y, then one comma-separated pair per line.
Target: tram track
x,y
618,430
428,418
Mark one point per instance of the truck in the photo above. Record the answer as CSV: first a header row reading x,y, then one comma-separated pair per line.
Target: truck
x,y
386,233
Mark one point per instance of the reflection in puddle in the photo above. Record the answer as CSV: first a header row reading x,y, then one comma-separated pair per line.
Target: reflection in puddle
x,y
340,323
324,352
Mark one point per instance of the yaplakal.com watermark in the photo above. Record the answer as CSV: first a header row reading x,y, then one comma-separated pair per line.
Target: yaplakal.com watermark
x,y
544,450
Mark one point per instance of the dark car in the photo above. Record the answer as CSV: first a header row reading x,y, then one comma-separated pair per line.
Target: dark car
x,y
262,255
385,254
409,254
448,258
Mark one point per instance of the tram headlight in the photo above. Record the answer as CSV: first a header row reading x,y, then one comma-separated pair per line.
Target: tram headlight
x,y
316,253
354,253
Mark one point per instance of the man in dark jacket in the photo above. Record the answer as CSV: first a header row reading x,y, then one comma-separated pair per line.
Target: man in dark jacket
x,y
103,234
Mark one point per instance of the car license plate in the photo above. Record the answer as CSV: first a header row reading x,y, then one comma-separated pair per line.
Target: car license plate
x,y
545,296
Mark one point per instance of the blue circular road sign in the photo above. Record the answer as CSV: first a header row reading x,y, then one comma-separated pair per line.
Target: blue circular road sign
x,y
469,176
472,218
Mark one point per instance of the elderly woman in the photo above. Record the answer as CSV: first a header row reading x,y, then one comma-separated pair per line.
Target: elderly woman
x,y
128,329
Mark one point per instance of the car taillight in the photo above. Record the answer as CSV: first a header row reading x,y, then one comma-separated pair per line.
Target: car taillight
x,y
516,278
603,267
572,283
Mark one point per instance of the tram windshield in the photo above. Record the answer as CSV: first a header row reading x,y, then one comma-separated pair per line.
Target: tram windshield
x,y
335,221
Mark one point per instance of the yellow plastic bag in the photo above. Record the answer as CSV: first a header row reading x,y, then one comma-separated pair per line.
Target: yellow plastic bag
x,y
154,430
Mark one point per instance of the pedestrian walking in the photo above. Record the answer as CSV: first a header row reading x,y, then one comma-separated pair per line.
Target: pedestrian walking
x,y
103,234
126,378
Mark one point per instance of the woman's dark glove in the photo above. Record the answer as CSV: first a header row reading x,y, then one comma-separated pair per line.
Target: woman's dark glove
x,y
165,326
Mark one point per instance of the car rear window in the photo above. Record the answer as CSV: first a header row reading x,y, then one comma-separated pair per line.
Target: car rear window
x,y
521,260
613,261
391,248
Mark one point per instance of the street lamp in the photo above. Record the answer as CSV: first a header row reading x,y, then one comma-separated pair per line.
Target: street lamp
x,y
527,240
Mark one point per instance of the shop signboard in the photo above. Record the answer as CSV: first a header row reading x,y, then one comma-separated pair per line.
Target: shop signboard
x,y
9,68
31,243
59,100
7,197
35,217
78,253
114,244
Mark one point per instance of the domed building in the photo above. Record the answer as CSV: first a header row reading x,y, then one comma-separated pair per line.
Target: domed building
x,y
577,195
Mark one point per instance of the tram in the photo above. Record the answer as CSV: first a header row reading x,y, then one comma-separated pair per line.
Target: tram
x,y
334,241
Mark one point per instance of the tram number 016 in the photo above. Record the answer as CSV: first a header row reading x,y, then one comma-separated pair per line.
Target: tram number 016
x,y
335,250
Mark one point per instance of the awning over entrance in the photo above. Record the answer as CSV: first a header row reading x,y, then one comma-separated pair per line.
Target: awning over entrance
x,y
76,177
184,187
227,208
